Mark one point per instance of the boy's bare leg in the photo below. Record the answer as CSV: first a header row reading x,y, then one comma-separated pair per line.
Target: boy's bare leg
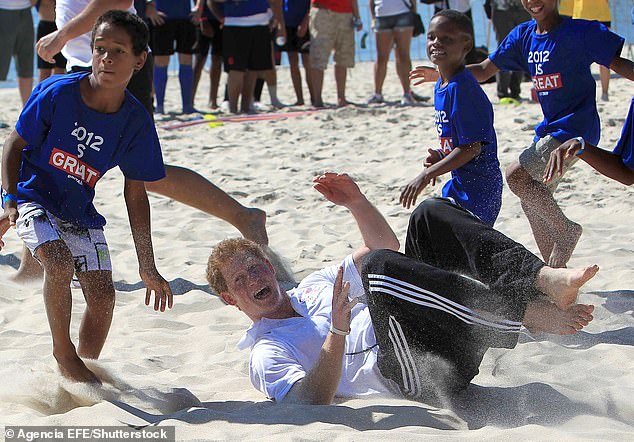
x,y
188,187
29,268
538,201
99,294
544,316
235,82
58,272
214,77
541,232
562,285
248,87
296,77
309,80
317,80
341,74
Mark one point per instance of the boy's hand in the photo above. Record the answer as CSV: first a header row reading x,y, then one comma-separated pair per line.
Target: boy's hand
x,y
154,282
7,219
338,188
422,74
49,45
413,189
558,157
157,18
433,156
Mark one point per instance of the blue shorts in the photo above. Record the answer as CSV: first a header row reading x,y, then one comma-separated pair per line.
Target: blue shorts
x,y
398,22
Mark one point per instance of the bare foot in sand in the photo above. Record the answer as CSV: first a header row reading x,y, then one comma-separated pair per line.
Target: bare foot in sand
x,y
562,285
73,368
564,245
544,316
253,226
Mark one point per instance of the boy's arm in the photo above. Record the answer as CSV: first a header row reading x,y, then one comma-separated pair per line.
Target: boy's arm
x,y
375,231
481,71
83,22
604,162
139,214
216,11
484,70
11,160
277,6
356,16
458,157
623,67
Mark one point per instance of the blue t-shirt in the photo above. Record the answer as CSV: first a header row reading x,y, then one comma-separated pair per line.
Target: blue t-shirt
x,y
71,146
625,146
559,62
245,8
174,9
295,11
464,115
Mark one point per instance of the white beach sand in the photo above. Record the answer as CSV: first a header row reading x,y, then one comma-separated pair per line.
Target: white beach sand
x,y
181,367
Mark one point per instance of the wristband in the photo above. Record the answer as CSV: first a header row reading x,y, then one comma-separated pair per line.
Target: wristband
x,y
336,331
583,145
8,197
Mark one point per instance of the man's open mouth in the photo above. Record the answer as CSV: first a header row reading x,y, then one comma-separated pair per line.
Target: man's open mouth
x,y
262,293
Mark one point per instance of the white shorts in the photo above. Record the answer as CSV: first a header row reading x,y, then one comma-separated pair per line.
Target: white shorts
x,y
35,226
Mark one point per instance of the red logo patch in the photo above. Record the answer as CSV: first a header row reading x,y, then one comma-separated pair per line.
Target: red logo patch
x,y
547,82
70,164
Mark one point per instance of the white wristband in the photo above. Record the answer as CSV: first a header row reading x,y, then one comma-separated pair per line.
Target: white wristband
x,y
336,331
583,145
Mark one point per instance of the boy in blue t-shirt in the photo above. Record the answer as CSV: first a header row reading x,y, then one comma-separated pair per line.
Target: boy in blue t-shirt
x,y
73,129
464,121
618,164
557,52
296,17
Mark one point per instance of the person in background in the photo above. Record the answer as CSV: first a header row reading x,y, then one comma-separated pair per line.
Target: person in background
x,y
393,24
296,18
46,25
174,30
16,41
505,15
208,38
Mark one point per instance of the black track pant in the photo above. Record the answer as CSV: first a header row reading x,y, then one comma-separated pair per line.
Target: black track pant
x,y
460,288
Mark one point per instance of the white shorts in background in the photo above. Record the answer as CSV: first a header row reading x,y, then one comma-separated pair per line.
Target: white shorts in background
x,y
36,226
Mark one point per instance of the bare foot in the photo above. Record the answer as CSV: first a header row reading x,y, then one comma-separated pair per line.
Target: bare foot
x,y
253,226
343,103
299,103
544,316
73,368
564,245
562,285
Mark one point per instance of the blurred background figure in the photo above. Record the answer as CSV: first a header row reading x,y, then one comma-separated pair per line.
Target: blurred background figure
x,y
46,25
17,40
208,39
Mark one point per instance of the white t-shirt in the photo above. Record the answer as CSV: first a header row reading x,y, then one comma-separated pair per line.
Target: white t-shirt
x,y
386,8
15,5
77,51
459,5
284,350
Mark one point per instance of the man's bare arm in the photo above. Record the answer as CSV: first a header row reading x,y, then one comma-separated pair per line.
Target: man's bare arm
x,y
83,22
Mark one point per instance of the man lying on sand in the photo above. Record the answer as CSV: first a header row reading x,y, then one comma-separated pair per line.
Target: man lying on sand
x,y
431,324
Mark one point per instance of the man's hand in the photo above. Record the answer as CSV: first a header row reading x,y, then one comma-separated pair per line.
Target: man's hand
x,y
7,219
558,157
157,18
413,189
154,282
206,29
49,46
341,305
302,29
422,74
338,188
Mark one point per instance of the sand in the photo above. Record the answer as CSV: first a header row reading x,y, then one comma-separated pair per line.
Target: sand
x,y
182,368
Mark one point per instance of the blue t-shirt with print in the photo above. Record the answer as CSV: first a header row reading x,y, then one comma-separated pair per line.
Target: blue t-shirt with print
x,y
625,147
245,8
559,62
295,11
464,115
70,146
174,9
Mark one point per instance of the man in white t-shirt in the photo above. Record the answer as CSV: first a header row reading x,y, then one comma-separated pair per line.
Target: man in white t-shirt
x,y
412,324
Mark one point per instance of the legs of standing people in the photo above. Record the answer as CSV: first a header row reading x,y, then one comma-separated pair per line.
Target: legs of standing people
x,y
384,42
200,58
403,40
160,81
341,73
317,79
309,83
186,78
214,77
604,74
296,76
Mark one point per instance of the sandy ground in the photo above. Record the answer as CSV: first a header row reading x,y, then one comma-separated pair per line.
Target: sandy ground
x,y
181,367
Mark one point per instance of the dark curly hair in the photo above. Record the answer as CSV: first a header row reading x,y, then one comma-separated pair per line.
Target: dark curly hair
x,y
131,23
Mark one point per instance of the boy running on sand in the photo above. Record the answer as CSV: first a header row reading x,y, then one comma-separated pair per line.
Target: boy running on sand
x,y
73,129
557,52
464,121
